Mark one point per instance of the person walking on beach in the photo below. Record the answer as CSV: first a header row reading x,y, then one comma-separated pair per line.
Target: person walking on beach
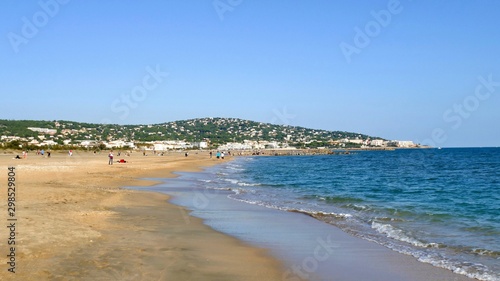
x,y
210,154
110,156
222,155
217,155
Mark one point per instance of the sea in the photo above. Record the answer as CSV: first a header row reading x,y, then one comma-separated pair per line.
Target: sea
x,y
441,206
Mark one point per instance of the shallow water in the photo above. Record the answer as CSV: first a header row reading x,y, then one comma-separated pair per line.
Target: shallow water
x,y
441,206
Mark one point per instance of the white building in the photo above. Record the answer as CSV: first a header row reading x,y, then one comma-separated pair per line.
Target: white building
x,y
398,143
166,145
48,143
87,143
119,144
377,142
200,145
235,146
43,130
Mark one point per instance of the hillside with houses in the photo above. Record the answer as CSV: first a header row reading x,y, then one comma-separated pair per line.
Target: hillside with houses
x,y
202,133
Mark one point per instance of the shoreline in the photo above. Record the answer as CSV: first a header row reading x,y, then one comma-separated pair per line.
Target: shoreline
x,y
293,238
76,222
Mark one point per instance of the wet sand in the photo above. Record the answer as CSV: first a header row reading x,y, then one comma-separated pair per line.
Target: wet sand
x,y
309,248
76,223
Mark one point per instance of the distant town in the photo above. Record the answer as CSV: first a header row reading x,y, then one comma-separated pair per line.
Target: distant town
x,y
207,133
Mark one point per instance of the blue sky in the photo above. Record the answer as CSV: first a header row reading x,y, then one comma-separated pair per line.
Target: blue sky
x,y
427,71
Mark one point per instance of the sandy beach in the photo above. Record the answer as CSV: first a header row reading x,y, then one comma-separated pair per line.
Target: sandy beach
x,y
75,222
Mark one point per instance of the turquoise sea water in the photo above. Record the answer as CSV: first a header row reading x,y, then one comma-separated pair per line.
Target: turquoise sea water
x,y
439,205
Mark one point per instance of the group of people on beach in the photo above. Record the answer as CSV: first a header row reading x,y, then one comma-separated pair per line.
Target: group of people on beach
x,y
218,155
111,158
25,154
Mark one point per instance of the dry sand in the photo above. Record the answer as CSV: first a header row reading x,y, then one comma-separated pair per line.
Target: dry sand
x,y
76,223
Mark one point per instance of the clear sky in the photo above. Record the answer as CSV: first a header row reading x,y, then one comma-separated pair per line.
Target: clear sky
x,y
427,71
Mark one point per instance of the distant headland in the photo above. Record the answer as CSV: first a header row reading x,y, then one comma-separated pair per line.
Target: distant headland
x,y
201,133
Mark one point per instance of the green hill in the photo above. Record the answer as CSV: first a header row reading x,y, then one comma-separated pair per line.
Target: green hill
x,y
215,130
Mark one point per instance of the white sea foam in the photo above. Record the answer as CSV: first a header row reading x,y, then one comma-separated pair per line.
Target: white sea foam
x,y
248,184
240,183
238,190
484,252
398,234
222,188
473,271
233,181
337,215
235,168
476,271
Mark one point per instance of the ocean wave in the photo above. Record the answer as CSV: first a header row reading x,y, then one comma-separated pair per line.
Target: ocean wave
x,y
422,251
248,184
485,252
357,207
235,190
221,188
342,199
398,234
240,183
319,214
386,219
233,181
475,271
315,214
471,270
234,168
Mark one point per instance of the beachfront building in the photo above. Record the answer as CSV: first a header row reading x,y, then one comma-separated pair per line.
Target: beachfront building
x,y
168,145
235,146
162,146
200,145
356,141
250,145
119,144
377,142
48,143
87,143
270,145
404,144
